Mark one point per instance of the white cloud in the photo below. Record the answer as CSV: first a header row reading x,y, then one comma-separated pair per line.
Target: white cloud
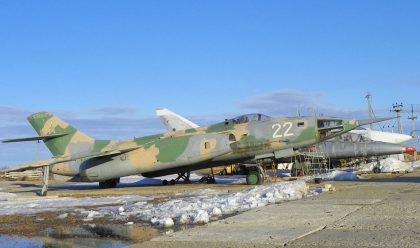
x,y
107,111
292,102
12,114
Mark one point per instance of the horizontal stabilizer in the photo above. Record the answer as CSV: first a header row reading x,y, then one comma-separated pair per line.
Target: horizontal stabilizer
x,y
45,137
63,159
30,166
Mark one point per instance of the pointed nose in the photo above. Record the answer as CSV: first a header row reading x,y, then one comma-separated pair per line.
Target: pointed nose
x,y
409,150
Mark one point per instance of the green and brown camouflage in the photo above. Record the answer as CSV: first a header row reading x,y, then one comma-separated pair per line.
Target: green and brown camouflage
x,y
255,136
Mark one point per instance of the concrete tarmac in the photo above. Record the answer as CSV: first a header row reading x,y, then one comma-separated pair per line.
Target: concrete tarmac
x,y
366,213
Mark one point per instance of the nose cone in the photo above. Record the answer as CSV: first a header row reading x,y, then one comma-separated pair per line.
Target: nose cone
x,y
409,149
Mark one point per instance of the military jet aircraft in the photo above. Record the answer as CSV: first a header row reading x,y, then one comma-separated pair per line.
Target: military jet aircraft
x,y
353,144
388,137
254,136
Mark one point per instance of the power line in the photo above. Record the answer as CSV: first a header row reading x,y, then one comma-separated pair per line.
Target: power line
x,y
413,129
397,108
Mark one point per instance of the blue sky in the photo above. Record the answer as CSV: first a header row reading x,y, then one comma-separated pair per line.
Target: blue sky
x,y
106,65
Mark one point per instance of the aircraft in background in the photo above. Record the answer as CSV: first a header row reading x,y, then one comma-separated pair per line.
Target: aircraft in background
x,y
174,122
348,147
388,137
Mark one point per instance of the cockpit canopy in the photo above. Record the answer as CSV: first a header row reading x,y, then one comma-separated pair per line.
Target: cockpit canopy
x,y
249,118
329,127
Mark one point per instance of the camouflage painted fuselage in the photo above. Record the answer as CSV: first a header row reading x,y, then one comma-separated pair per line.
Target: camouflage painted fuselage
x,y
231,141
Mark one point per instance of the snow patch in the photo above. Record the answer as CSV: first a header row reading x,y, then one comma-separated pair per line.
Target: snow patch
x,y
62,216
388,165
197,207
415,164
38,205
200,209
338,175
4,196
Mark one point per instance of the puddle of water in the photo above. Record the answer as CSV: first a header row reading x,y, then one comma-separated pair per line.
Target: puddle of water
x,y
87,235
41,242
131,233
16,241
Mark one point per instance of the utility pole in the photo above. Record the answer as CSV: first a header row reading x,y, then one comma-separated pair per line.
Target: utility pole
x,y
369,99
413,130
397,108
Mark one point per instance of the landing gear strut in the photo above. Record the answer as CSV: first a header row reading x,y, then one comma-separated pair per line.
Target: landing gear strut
x,y
377,168
112,183
185,176
45,175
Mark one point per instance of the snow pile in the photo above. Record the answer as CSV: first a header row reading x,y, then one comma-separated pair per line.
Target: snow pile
x,y
197,207
388,165
61,204
201,209
337,175
415,164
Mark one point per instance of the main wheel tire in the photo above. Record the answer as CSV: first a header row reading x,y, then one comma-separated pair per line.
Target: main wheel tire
x,y
376,170
211,181
103,185
254,178
112,183
165,182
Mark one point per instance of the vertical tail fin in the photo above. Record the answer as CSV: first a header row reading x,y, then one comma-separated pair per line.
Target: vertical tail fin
x,y
71,142
173,121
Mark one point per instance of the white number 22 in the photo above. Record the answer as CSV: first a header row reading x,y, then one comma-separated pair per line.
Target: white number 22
x,y
278,128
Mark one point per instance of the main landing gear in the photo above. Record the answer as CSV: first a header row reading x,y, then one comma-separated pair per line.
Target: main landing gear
x,y
112,183
377,168
255,175
209,179
185,176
